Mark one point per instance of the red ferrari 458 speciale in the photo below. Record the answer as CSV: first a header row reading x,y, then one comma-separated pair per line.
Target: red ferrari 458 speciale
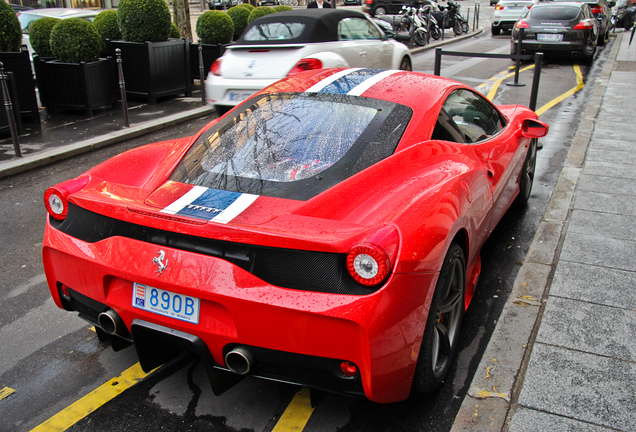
x,y
325,232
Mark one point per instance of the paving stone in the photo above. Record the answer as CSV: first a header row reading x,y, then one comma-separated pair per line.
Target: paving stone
x,y
605,203
594,250
596,329
616,185
595,284
603,224
581,386
527,420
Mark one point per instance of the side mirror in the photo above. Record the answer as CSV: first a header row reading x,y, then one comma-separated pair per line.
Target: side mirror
x,y
532,128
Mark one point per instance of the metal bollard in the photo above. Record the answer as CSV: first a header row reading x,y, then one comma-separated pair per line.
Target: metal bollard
x,y
8,106
518,62
202,74
122,88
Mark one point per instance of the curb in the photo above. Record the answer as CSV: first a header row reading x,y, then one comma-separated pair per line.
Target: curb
x,y
492,397
46,157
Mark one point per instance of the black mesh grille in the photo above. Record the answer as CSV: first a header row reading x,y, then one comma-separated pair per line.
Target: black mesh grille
x,y
287,268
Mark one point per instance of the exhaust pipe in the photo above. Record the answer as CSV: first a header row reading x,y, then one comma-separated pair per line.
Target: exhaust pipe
x,y
110,322
239,360
576,53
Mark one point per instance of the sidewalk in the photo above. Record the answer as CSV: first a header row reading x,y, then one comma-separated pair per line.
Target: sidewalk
x,y
563,354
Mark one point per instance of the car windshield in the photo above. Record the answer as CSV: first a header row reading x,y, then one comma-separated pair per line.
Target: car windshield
x,y
292,145
274,31
557,13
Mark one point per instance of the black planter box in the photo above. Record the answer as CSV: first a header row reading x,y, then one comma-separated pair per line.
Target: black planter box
x,y
78,86
210,53
155,69
20,64
13,94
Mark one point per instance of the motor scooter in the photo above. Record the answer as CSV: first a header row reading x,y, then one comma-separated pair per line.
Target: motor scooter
x,y
624,15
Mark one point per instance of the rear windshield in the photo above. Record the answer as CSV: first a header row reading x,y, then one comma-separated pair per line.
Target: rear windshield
x,y
293,145
274,31
555,13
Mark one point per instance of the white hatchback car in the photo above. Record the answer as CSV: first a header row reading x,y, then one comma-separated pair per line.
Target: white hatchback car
x,y
284,43
507,13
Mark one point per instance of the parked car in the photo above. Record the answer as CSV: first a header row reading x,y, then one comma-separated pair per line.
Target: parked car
x,y
19,8
352,2
384,7
268,2
326,232
286,43
507,12
28,16
563,28
602,10
221,4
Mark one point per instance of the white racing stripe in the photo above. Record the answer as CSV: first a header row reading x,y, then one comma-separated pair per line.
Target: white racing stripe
x,y
324,83
186,199
236,208
367,84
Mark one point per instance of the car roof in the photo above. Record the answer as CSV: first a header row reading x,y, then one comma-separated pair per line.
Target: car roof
x,y
60,12
322,24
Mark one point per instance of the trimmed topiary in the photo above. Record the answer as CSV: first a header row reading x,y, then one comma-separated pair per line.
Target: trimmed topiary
x,y
144,20
40,35
260,11
215,27
239,15
247,6
10,30
75,40
282,8
107,25
174,31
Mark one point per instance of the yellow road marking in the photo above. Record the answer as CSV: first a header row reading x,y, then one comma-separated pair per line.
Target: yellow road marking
x,y
495,86
6,392
89,403
297,413
579,86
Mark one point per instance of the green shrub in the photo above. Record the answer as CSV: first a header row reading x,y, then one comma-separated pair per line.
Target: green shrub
x,y
144,20
282,8
239,15
174,31
247,6
75,40
260,11
10,30
215,27
40,35
107,25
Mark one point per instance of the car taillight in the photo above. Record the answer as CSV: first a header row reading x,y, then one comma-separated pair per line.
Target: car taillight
x,y
216,67
522,24
499,7
305,65
369,2
369,263
597,10
584,25
56,197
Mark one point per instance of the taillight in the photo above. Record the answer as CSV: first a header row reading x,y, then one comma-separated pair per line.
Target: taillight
x,y
584,25
348,369
522,24
370,262
597,10
305,65
56,197
216,67
499,7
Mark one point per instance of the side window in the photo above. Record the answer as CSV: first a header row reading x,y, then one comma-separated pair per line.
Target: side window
x,y
446,129
357,29
474,115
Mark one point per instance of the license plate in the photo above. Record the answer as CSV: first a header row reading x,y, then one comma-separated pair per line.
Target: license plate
x,y
550,37
167,303
239,96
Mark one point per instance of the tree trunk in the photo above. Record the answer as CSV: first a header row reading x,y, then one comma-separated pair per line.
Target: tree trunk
x,y
181,11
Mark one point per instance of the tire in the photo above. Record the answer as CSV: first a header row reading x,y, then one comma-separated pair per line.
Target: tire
x,y
380,10
439,343
457,27
527,176
419,38
436,33
405,64
496,31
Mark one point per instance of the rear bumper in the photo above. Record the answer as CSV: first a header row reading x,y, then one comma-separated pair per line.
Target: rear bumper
x,y
295,336
231,92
